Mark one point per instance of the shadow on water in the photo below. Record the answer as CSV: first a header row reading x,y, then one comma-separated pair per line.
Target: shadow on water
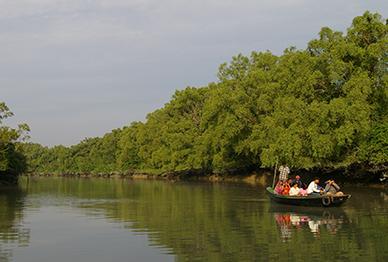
x,y
12,233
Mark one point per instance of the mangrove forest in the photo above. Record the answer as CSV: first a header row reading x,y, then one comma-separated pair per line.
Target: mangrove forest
x,y
323,107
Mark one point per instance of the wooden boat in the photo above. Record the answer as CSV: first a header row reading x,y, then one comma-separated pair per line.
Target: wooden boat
x,y
320,200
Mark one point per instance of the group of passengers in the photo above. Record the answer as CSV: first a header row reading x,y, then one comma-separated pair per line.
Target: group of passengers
x,y
295,187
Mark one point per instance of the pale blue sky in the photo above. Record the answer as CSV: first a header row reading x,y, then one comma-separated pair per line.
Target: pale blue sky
x,y
79,68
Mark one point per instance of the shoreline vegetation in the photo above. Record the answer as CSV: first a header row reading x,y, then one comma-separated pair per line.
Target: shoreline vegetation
x,y
12,160
263,177
321,110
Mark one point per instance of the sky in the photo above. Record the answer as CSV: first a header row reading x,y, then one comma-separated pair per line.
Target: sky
x,y
73,69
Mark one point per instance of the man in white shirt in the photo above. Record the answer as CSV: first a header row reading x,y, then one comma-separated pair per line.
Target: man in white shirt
x,y
314,188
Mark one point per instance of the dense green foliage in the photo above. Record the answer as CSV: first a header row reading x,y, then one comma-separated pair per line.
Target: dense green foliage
x,y
325,106
12,162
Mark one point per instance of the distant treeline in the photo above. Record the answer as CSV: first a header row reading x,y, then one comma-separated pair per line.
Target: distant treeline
x,y
325,106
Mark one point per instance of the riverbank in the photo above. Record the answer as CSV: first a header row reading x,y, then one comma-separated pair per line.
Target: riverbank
x,y
253,178
260,177
8,180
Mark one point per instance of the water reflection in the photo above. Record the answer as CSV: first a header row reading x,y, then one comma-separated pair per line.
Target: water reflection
x,y
161,221
291,219
12,232
384,196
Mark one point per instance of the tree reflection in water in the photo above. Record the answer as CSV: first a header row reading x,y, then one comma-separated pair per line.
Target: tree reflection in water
x,y
208,222
290,219
12,233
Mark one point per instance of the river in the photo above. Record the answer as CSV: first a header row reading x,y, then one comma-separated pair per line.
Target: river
x,y
59,219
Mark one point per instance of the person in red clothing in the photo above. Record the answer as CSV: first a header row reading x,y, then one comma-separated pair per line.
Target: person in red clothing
x,y
279,188
286,187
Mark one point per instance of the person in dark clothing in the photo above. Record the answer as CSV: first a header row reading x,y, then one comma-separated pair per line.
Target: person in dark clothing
x,y
299,182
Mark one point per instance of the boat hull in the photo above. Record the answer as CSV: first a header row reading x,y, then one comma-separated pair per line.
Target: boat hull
x,y
321,201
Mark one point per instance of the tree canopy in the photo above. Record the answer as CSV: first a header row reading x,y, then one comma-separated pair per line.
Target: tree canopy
x,y
325,106
12,161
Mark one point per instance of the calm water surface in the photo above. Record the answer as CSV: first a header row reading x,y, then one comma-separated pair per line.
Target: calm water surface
x,y
54,219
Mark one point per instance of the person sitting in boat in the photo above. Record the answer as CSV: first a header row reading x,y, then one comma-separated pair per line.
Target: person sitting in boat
x,y
332,188
298,181
286,187
279,188
295,190
314,188
301,186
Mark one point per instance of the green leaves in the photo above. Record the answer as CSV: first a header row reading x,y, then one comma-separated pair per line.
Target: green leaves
x,y
325,106
11,160
375,148
4,112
